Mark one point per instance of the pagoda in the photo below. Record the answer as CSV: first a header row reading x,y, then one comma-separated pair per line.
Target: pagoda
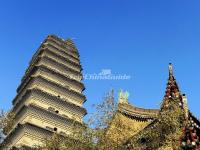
x,y
50,97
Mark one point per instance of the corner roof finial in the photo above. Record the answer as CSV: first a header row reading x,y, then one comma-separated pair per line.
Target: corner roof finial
x,y
170,69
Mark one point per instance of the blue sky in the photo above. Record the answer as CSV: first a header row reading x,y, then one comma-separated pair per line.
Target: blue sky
x,y
134,37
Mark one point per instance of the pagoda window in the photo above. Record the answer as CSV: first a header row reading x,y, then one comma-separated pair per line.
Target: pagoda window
x,y
55,129
57,111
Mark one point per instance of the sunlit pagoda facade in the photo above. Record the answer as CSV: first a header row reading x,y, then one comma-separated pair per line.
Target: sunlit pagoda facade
x,y
136,122
50,97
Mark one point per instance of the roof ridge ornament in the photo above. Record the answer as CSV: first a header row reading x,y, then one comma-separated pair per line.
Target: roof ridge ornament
x,y
170,69
123,96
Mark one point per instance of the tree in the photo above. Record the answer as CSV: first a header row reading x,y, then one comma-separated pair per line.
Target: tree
x,y
2,136
6,123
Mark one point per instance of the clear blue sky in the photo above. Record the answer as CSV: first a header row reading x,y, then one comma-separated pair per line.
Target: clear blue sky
x,y
135,37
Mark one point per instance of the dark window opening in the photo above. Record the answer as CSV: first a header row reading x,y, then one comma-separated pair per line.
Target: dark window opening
x,y
143,140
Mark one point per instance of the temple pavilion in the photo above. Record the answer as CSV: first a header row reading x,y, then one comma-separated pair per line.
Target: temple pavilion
x,y
130,125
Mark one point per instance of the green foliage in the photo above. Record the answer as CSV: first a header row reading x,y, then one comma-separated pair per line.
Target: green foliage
x,y
6,124
101,121
6,121
104,112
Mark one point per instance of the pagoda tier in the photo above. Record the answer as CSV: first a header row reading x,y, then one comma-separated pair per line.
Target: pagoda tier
x,y
27,135
42,83
52,47
61,59
53,54
43,118
49,98
60,51
48,101
65,45
55,76
54,65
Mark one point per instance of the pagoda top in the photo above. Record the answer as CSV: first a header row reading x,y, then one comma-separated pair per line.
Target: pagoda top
x,y
69,41
170,69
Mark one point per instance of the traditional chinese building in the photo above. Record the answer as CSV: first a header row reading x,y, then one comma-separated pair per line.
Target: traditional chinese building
x,y
49,98
131,124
